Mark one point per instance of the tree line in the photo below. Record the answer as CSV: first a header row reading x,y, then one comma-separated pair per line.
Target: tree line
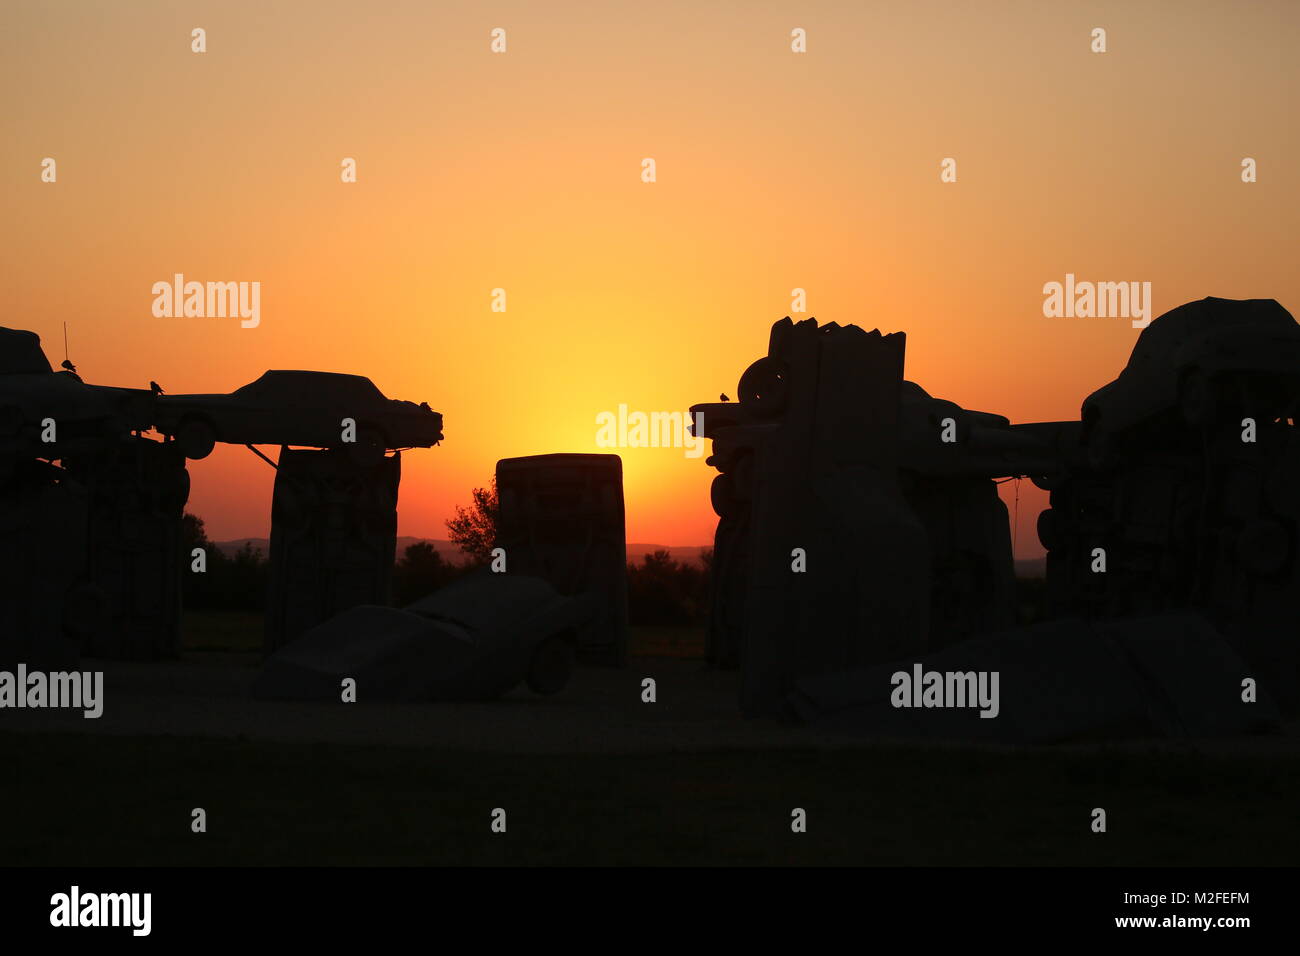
x,y
662,591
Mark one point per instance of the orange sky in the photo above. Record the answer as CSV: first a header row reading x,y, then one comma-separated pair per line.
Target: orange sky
x,y
522,171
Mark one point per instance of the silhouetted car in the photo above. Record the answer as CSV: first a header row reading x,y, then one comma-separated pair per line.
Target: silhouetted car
x,y
475,639
299,408
83,416
1204,361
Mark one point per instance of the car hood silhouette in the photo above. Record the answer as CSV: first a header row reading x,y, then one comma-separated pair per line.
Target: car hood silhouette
x,y
299,408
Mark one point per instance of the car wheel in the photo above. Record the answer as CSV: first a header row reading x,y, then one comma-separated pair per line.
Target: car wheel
x,y
176,489
196,439
1048,530
764,388
551,666
722,495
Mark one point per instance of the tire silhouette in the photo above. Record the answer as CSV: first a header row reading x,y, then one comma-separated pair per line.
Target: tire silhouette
x,y
196,439
764,388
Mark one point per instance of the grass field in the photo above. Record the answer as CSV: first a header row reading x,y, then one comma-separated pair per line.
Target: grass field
x,y
242,631
222,631
89,800
117,796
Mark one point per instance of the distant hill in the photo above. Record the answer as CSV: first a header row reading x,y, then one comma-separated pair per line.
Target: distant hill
x,y
228,548
635,552
448,551
687,554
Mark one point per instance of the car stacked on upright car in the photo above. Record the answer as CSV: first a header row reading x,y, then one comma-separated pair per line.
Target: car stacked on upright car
x,y
48,414
300,408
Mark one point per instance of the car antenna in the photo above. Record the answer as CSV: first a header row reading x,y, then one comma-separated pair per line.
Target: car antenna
x,y
67,362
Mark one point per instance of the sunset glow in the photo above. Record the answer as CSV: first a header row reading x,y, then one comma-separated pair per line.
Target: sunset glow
x,y
522,172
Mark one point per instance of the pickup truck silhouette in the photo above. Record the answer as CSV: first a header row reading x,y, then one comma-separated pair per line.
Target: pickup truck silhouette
x,y
299,408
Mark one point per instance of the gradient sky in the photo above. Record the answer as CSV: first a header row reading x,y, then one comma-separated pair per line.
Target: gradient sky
x,y
522,171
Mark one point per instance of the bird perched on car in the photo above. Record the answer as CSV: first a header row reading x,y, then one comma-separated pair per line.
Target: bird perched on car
x,y
155,388
723,396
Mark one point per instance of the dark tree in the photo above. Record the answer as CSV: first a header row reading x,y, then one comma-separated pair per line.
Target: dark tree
x,y
474,529
665,591
193,533
419,572
237,583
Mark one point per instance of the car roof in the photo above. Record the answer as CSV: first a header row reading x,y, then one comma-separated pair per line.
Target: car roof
x,y
21,353
275,379
1161,339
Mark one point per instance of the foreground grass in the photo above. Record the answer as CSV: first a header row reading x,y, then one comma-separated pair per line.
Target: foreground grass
x,y
241,632
83,800
222,631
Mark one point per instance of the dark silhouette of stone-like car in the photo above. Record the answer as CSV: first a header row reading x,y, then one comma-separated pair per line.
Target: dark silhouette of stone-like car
x,y
85,418
299,408
476,639
1203,362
